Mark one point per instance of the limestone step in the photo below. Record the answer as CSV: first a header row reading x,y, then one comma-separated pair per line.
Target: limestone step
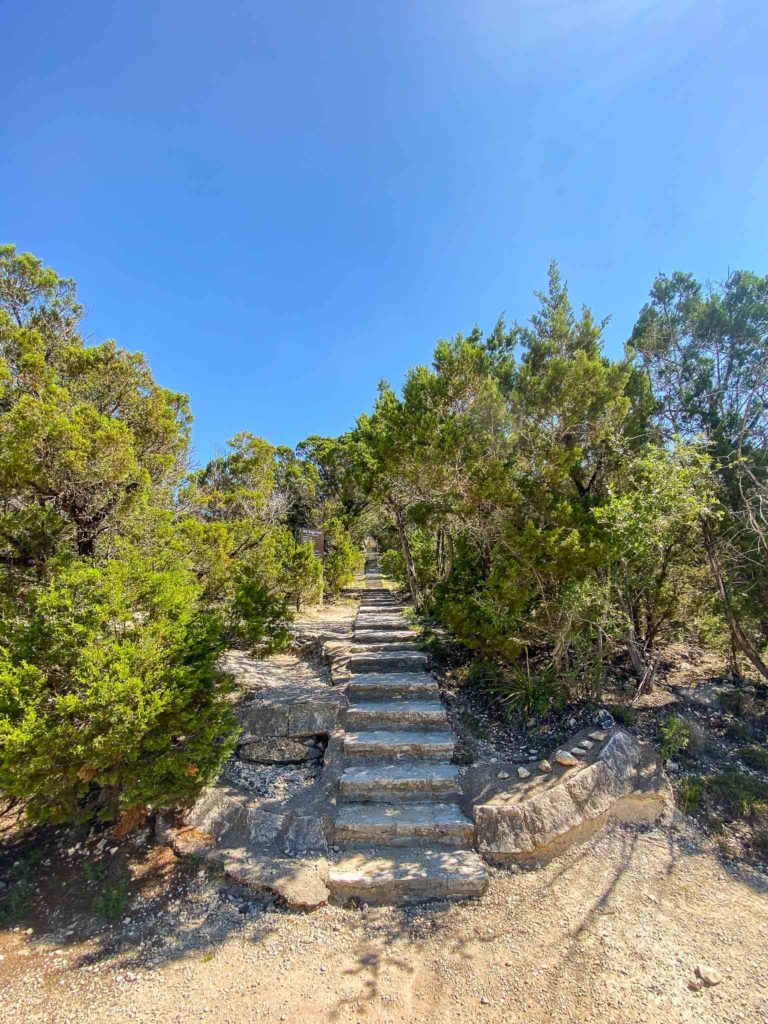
x,y
384,607
404,713
377,648
409,876
400,745
380,622
388,661
403,824
383,636
391,782
385,685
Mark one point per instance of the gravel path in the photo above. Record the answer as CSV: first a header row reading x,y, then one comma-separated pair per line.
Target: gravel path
x,y
611,932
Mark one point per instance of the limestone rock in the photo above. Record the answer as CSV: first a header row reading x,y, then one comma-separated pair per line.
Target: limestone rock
x,y
598,737
544,765
623,780
279,750
578,751
523,773
565,758
709,976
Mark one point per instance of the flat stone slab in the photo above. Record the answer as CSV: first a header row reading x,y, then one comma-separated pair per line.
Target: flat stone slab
x,y
385,661
291,711
410,876
383,782
279,750
383,636
402,824
403,713
540,816
400,744
380,622
392,684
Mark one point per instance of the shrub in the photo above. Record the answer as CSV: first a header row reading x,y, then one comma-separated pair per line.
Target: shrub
x,y
112,902
257,619
675,737
109,695
343,558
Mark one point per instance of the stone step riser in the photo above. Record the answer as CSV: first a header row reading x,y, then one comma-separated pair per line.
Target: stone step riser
x,y
418,747
401,718
395,636
402,825
381,624
406,661
390,784
397,691
412,877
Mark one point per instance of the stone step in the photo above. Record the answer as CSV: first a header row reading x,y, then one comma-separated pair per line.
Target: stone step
x,y
383,636
380,622
404,713
410,876
391,782
388,685
403,824
400,745
378,648
383,607
388,661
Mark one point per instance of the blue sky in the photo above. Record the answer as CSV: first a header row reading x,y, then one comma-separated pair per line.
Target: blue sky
x,y
282,203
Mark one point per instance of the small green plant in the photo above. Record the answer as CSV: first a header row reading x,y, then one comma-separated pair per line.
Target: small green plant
x,y
675,737
111,903
739,795
690,794
525,694
624,714
16,904
754,756
95,872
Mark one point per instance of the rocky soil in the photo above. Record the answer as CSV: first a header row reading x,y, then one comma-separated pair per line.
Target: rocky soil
x,y
654,925
613,933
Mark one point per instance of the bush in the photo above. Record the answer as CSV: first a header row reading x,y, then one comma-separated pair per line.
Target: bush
x,y
258,620
739,795
109,695
675,737
343,558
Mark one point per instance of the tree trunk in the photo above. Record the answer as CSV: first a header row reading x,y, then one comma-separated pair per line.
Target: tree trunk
x,y
738,637
410,568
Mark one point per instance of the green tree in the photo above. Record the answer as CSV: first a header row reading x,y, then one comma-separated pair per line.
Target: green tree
x,y
706,355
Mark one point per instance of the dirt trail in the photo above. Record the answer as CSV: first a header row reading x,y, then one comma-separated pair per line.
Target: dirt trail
x,y
611,932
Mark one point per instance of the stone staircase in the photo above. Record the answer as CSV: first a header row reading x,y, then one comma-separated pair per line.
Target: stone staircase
x,y
397,814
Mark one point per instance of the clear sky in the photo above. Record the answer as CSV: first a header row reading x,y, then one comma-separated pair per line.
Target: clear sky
x,y
281,203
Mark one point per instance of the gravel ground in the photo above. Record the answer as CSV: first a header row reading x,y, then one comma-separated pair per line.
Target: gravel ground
x,y
611,932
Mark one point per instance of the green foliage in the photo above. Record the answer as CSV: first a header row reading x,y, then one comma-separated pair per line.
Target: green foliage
x,y
110,698
109,695
523,694
754,756
111,903
739,796
690,794
343,558
675,737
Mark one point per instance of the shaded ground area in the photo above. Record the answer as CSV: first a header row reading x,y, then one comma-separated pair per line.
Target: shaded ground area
x,y
612,932
95,929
